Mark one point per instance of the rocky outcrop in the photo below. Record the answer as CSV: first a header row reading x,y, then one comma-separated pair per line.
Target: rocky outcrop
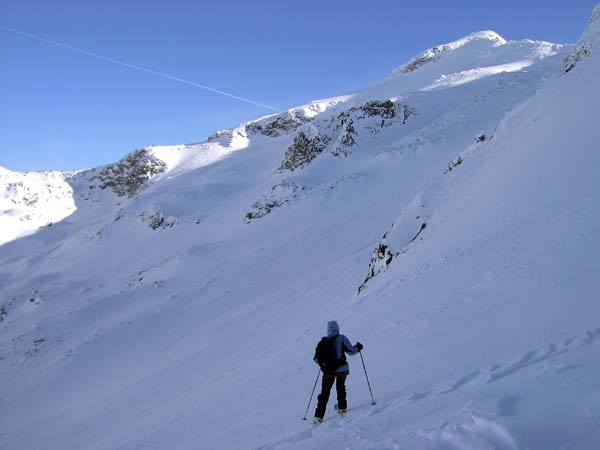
x,y
279,195
587,44
222,136
384,254
406,229
422,59
340,133
582,52
130,175
307,145
157,219
386,109
282,124
369,119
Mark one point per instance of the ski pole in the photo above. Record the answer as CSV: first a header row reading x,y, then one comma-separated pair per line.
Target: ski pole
x,y
367,376
311,394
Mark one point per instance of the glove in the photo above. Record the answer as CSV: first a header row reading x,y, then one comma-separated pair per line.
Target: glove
x,y
359,346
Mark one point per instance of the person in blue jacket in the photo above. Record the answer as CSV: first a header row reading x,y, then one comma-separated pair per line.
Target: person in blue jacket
x,y
330,355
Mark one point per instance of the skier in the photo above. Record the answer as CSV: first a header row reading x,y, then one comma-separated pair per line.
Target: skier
x,y
330,356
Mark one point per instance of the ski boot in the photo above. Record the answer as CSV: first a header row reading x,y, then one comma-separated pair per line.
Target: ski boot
x,y
341,412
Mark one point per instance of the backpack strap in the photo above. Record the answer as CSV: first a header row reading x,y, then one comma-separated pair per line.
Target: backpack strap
x,y
341,361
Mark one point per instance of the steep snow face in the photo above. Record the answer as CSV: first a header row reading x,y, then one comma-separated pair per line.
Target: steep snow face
x,y
183,158
453,230
589,42
482,40
478,55
592,31
31,200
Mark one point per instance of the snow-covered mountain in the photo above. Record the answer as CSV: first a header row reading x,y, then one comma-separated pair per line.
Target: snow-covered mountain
x,y
31,200
448,217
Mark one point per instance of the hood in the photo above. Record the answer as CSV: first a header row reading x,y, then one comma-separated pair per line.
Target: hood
x,y
333,329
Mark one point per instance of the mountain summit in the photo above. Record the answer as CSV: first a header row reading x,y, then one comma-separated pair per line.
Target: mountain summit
x,y
479,41
475,55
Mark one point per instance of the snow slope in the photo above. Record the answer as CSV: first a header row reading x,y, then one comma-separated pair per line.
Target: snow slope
x,y
32,200
184,312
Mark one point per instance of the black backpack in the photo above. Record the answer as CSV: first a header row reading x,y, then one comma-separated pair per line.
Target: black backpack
x,y
326,355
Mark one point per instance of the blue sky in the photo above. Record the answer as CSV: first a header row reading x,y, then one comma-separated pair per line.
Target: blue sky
x,y
63,110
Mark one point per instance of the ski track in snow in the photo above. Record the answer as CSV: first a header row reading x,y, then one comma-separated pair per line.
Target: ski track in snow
x,y
357,426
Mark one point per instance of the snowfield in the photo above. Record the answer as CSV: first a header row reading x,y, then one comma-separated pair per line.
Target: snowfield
x,y
447,217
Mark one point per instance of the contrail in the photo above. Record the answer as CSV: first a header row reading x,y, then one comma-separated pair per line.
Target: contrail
x,y
143,69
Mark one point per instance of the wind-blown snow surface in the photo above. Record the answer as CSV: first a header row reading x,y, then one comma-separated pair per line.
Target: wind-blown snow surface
x,y
186,316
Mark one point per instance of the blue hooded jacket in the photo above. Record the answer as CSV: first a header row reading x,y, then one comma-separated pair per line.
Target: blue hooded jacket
x,y
342,345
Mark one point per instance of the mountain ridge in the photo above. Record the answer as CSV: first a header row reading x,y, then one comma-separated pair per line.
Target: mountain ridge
x,y
235,138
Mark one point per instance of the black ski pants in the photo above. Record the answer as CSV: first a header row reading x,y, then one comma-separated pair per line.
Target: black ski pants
x,y
340,387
